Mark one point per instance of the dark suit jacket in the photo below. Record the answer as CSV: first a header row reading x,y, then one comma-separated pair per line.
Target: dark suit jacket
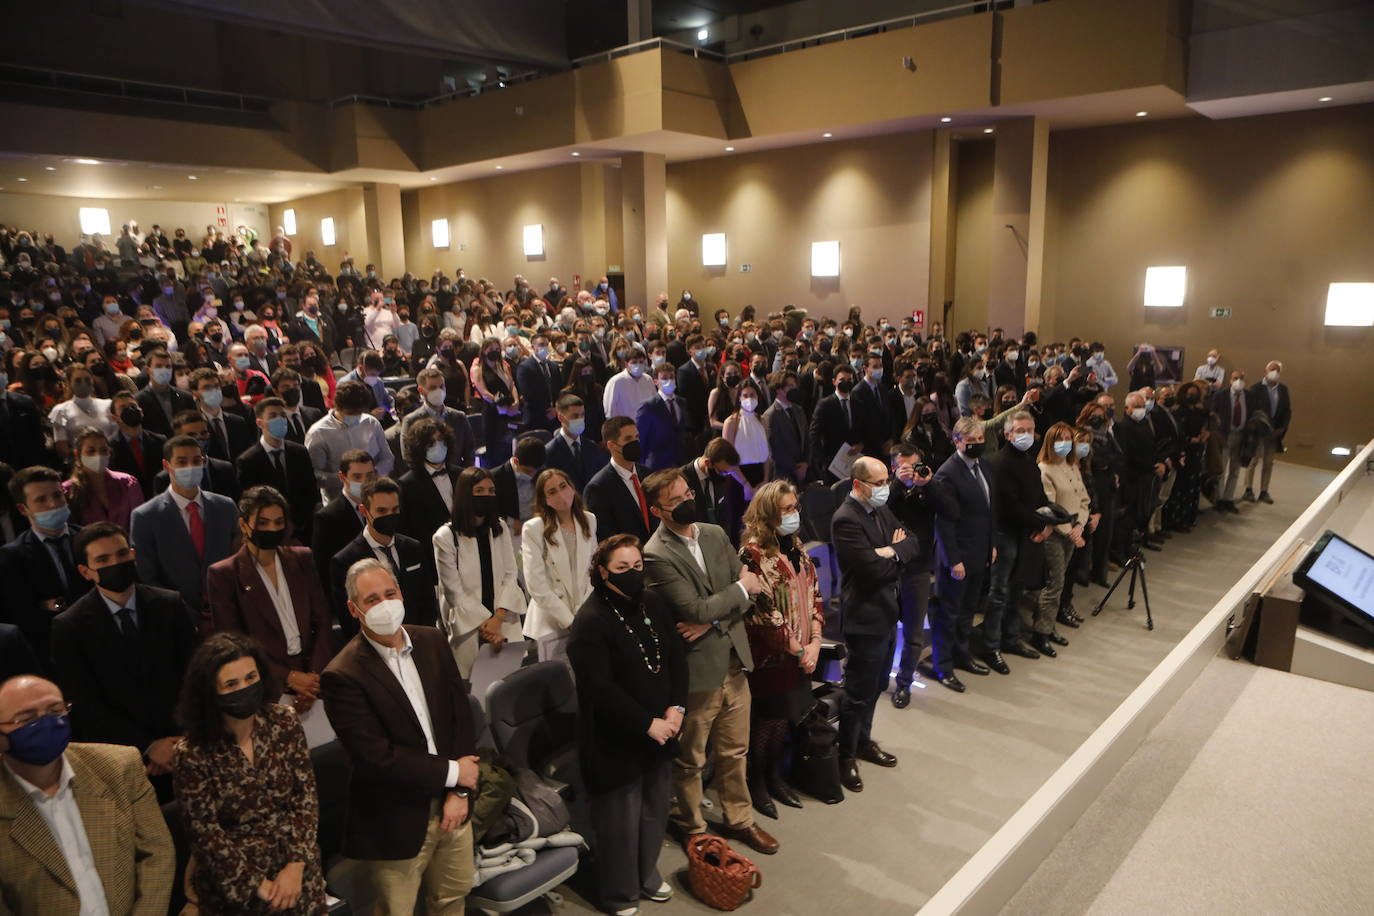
x,y
875,423
507,497
868,591
559,454
122,695
729,505
166,556
308,417
122,459
395,778
829,430
417,580
965,519
239,603
422,508
240,432
29,579
695,389
1259,393
666,442
297,330
21,431
1223,403
255,468
336,523
153,417
539,385
16,657
614,506
219,477
788,439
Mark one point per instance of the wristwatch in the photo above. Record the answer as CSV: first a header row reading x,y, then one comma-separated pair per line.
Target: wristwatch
x,y
463,791
681,709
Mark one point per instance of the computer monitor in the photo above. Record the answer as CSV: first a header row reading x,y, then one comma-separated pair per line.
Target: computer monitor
x,y
1341,575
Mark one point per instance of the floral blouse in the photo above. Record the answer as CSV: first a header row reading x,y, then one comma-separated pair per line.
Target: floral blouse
x,y
788,607
248,820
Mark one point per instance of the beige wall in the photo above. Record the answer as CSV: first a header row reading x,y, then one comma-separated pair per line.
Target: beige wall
x,y
871,195
973,185
345,207
61,215
1264,212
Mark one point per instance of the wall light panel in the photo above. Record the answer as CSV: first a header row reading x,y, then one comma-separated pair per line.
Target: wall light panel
x,y
327,230
1350,305
713,249
1165,287
534,240
438,229
825,259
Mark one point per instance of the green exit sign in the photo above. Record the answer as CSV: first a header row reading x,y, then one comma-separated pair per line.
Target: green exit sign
x,y
1221,313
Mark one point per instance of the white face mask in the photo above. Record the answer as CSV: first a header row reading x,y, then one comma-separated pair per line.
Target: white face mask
x,y
1138,413
435,397
748,404
1272,377
1238,385
384,618
1211,360
96,464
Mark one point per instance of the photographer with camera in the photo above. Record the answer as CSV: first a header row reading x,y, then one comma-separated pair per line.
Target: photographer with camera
x,y
912,502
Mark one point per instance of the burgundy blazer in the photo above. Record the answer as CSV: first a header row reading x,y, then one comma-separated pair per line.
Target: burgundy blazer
x,y
239,602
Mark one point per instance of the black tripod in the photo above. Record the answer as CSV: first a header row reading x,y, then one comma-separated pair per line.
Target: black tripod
x,y
1136,567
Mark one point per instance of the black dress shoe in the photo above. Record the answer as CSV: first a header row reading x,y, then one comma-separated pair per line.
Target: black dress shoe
x,y
1068,619
783,793
995,662
764,805
1022,650
1043,645
1102,581
1264,497
972,666
1056,639
1150,545
874,754
950,681
901,697
849,775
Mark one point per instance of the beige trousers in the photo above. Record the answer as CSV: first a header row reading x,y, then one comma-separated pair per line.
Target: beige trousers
x,y
444,866
722,716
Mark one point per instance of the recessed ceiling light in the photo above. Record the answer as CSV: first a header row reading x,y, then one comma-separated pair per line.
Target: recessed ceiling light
x,y
946,119
703,34
155,187
500,166
23,179
88,161
49,168
987,130
1325,98
1141,114
729,149
575,153
433,179
190,178
827,135
237,199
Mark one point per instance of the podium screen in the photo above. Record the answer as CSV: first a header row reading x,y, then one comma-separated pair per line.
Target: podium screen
x,y
1341,570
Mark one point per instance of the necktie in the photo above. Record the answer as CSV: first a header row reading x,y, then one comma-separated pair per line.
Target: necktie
x,y
672,411
220,434
296,426
848,417
362,516
196,525
126,624
577,454
548,376
643,506
136,447
280,464
1236,418
65,571
978,476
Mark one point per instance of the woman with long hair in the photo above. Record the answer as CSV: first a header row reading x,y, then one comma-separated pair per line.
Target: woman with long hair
x,y
1063,484
94,492
480,601
745,431
1193,416
784,629
581,381
317,379
724,398
556,545
38,379
495,386
924,433
80,410
243,778
977,380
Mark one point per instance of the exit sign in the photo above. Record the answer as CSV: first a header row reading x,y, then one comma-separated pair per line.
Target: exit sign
x,y
1221,313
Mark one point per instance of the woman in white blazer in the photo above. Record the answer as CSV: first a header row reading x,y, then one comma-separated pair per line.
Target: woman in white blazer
x,y
557,544
480,600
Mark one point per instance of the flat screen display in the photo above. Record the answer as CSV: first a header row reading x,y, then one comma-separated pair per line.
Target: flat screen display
x,y
1342,570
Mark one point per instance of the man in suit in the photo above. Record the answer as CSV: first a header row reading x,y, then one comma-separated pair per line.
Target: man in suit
x,y
16,657
38,567
912,501
869,395
1233,406
277,462
230,434
664,435
965,522
160,399
433,394
217,476
179,534
1144,470
134,450
840,420
539,380
120,652
514,481
409,561
260,359
312,324
718,488
615,495
80,828
299,417
693,567
900,400
427,488
788,441
1271,395
1169,447
871,547
400,709
340,520
569,450
695,379
21,444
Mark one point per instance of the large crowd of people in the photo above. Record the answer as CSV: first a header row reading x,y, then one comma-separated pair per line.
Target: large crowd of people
x,y
235,485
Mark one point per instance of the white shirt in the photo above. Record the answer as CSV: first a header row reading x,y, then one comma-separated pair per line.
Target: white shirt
x,y
63,817
329,438
69,417
384,552
624,393
286,611
694,548
182,502
401,663
443,483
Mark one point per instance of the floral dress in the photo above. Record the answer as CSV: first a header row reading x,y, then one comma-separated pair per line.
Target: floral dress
x,y
248,820
788,607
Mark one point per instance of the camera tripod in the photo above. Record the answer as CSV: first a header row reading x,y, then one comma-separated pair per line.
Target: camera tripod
x,y
1136,567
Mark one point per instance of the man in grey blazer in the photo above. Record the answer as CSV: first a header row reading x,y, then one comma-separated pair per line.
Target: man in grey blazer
x,y
693,568
430,383
788,441
180,532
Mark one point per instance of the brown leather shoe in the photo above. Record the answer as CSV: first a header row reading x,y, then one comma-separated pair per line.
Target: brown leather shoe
x,y
755,837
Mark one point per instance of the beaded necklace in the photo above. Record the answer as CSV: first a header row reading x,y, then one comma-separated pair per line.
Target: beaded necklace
x,y
657,665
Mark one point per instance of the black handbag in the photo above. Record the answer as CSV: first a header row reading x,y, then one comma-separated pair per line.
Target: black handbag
x,y
815,757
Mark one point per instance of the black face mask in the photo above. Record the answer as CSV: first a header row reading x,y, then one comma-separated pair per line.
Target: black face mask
x,y
267,540
1096,421
118,577
388,525
630,450
975,450
844,386
131,416
241,703
629,581
484,506
292,397
685,513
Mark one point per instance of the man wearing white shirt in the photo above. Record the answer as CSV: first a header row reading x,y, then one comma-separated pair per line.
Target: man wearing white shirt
x,y
631,386
347,426
1097,363
1211,371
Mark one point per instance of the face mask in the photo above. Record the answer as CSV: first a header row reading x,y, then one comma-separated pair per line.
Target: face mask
x,y
628,581
238,305
1211,360
168,289
1149,404
1013,355
263,539
1023,441
1271,377
577,427
292,397
484,506
980,374
636,370
844,385
355,490
118,577
1238,385
1081,449
1138,413
1063,448
974,450
277,427
436,453
111,308
212,398
877,496
701,355
96,464
50,353
81,388
875,375
667,386
631,451
541,352
685,513
351,421
731,381
41,741
791,523
241,703
53,519
748,404
1032,363
188,478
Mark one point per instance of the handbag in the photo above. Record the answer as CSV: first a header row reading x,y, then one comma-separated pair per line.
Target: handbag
x,y
815,757
719,876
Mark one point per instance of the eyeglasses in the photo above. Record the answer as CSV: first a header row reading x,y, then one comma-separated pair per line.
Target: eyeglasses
x,y
28,715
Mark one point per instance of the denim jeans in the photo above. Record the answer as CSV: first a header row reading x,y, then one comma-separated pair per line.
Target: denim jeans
x,y
1001,621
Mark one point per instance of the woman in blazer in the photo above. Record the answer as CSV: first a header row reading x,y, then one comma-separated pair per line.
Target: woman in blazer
x,y
272,593
556,545
94,492
1063,484
480,600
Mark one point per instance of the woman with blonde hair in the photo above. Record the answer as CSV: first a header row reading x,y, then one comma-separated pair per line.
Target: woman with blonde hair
x,y
1063,483
556,546
784,629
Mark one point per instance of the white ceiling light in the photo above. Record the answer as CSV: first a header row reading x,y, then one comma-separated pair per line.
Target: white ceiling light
x,y
88,161
827,135
703,34
94,219
191,177
500,167
575,153
713,249
825,259
433,178
23,179
1325,98
327,231
1165,286
439,231
288,221
946,119
1350,305
533,237
987,130
729,149
50,168
1141,114
1341,451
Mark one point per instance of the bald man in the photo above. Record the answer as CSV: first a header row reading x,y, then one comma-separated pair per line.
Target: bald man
x,y
80,829
871,547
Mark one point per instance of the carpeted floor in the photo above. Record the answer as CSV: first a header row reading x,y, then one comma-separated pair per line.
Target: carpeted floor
x,y
969,761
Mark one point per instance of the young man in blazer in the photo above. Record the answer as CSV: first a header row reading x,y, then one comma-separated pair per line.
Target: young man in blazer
x,y
615,495
539,379
394,698
515,474
411,562
695,379
1271,395
840,420
277,462
697,573
217,476
662,421
230,434
569,450
788,442
431,386
134,450
299,417
161,400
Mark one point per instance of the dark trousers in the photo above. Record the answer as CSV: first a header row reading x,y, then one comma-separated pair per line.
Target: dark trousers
x,y
1001,619
628,827
1102,537
951,618
915,598
866,670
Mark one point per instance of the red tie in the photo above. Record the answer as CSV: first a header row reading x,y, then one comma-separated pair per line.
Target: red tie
x,y
643,506
1236,418
136,446
197,528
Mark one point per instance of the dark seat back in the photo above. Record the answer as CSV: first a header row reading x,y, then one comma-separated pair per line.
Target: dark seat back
x,y
333,773
533,713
